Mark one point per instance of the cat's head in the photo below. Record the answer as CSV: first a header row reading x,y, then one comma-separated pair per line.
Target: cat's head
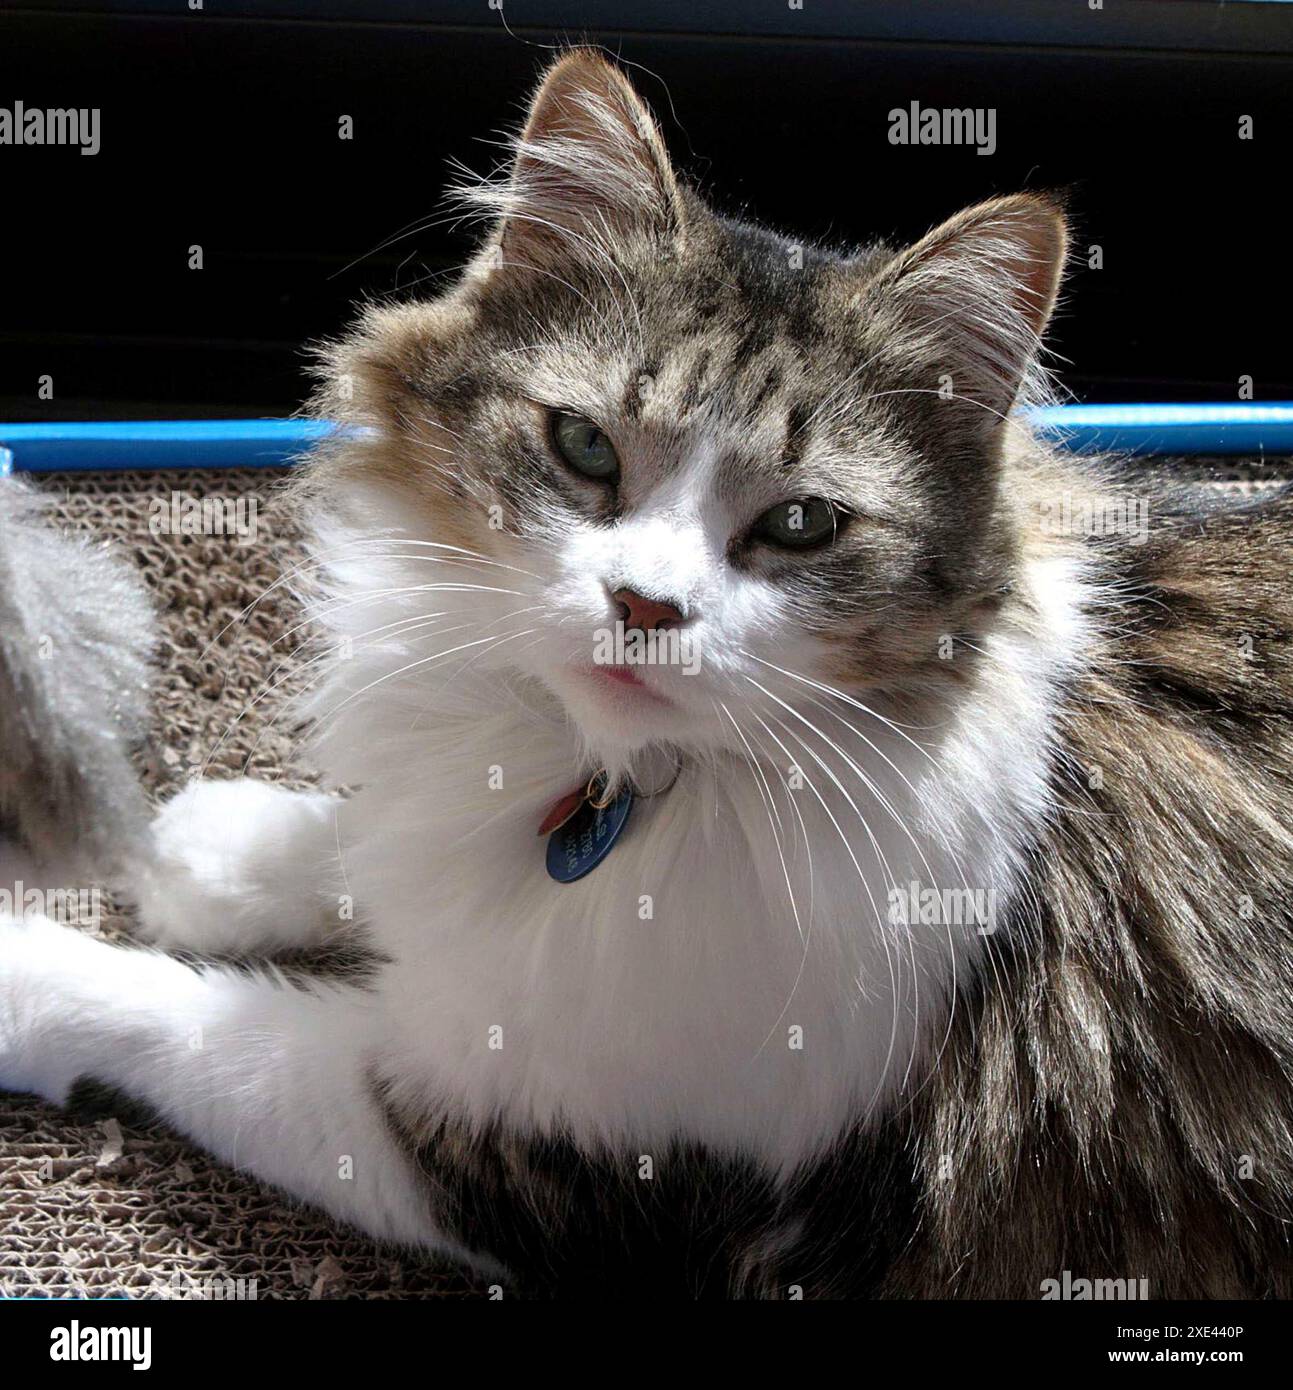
x,y
782,461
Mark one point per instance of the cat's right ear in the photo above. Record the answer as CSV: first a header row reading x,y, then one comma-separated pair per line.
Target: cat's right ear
x,y
590,172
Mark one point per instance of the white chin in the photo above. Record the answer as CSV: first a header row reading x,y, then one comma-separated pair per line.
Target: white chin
x,y
616,721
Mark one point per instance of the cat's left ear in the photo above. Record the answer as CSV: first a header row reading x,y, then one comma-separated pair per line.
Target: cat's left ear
x,y
979,291
590,171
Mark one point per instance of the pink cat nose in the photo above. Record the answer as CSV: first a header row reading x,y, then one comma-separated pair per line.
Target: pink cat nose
x,y
638,611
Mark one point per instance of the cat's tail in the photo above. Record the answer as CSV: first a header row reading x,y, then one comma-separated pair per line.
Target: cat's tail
x,y
76,632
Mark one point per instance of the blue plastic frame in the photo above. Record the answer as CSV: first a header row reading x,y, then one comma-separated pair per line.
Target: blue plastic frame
x,y
1248,428
77,447
1236,428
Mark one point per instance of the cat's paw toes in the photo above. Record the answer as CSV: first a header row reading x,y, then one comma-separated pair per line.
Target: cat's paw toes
x,y
33,950
240,867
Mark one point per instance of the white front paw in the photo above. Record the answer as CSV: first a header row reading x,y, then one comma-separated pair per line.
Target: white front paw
x,y
34,954
239,867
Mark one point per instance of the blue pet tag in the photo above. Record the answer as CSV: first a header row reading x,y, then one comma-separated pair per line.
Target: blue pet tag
x,y
577,846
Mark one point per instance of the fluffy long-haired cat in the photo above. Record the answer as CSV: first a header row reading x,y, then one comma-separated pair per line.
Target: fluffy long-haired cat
x,y
817,840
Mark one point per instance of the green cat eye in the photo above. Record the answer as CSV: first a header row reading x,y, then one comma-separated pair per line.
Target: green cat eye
x,y
798,524
585,448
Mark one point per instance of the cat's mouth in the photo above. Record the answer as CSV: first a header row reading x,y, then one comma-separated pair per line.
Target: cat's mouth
x,y
623,682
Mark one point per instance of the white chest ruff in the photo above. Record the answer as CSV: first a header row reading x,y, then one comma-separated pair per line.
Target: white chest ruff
x,y
738,969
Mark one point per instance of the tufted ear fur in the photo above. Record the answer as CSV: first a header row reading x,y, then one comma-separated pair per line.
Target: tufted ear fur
x,y
980,289
590,170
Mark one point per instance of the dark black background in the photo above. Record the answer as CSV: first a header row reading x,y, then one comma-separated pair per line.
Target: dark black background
x,y
219,128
